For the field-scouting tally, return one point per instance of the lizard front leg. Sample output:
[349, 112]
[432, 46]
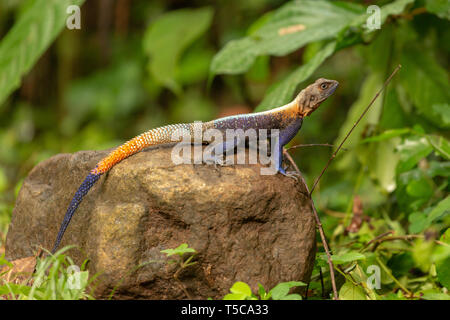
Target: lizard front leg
[220, 152]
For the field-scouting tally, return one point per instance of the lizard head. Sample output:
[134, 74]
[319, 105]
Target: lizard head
[310, 98]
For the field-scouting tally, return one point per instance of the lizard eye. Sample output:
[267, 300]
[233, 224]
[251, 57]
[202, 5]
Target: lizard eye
[323, 86]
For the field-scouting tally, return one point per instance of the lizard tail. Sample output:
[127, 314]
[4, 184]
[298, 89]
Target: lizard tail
[152, 137]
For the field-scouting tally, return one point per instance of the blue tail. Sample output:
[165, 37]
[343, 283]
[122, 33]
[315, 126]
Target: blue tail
[78, 197]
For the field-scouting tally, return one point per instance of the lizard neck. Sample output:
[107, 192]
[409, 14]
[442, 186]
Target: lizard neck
[288, 112]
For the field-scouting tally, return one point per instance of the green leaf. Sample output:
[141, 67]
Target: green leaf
[282, 92]
[421, 221]
[290, 27]
[418, 222]
[400, 264]
[347, 257]
[393, 8]
[440, 210]
[293, 296]
[349, 291]
[412, 151]
[4, 262]
[166, 39]
[182, 249]
[439, 7]
[442, 110]
[439, 169]
[440, 145]
[383, 164]
[443, 272]
[16, 289]
[241, 288]
[262, 292]
[368, 90]
[420, 189]
[433, 294]
[281, 290]
[34, 31]
[425, 82]
[388, 134]
[235, 296]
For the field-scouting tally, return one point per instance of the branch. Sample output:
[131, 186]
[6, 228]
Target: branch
[385, 237]
[310, 145]
[319, 225]
[354, 126]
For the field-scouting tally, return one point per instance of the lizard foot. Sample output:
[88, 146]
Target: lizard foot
[292, 174]
[219, 162]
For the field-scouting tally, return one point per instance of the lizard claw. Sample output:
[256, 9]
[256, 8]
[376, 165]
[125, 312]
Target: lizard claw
[218, 161]
[291, 174]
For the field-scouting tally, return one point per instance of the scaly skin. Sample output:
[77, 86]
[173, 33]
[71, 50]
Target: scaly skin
[288, 119]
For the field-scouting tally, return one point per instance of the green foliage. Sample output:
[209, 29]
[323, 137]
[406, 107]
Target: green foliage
[439, 7]
[242, 291]
[347, 257]
[281, 93]
[180, 250]
[36, 28]
[55, 278]
[310, 20]
[349, 291]
[167, 38]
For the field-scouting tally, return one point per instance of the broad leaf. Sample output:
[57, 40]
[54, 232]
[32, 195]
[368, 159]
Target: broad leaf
[412, 151]
[426, 84]
[27, 40]
[290, 27]
[393, 8]
[439, 7]
[167, 38]
[419, 221]
[347, 257]
[440, 145]
[388, 134]
[282, 92]
[182, 249]
[281, 290]
[351, 292]
[368, 90]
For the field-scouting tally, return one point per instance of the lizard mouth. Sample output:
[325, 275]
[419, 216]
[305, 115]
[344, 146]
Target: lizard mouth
[333, 87]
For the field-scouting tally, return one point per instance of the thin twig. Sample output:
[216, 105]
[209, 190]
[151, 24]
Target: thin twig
[377, 241]
[319, 226]
[389, 273]
[312, 145]
[321, 282]
[377, 238]
[182, 286]
[354, 126]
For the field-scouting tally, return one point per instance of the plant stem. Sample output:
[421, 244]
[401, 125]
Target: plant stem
[354, 126]
[319, 226]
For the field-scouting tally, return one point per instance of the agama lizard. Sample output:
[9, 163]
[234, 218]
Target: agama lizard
[287, 119]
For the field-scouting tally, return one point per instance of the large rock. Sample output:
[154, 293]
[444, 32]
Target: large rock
[245, 226]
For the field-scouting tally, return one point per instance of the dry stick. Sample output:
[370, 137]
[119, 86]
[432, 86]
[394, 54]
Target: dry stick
[319, 225]
[407, 237]
[312, 145]
[354, 126]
